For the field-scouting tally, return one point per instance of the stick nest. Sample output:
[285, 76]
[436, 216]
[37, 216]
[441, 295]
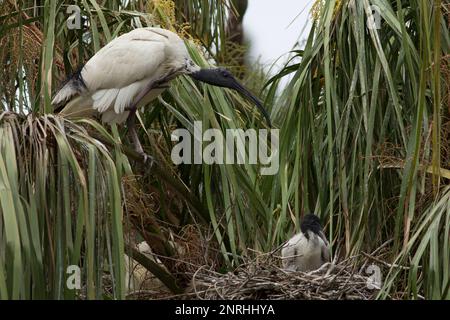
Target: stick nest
[262, 279]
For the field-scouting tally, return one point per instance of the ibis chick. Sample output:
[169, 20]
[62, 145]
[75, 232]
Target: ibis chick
[307, 250]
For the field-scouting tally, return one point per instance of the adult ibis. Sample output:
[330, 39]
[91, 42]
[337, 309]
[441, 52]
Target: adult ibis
[132, 70]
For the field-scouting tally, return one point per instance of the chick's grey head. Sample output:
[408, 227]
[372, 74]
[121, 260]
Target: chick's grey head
[311, 223]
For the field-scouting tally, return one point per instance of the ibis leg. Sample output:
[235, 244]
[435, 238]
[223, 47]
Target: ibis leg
[131, 121]
[131, 124]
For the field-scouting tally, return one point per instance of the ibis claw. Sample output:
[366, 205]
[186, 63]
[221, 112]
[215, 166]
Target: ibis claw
[147, 159]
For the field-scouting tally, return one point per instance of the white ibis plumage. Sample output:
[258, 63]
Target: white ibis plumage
[132, 70]
[307, 250]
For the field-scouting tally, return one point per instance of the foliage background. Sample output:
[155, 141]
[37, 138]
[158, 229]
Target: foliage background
[363, 143]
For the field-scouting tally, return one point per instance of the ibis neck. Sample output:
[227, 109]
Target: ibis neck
[191, 67]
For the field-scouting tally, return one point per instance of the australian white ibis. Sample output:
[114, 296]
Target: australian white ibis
[132, 70]
[307, 250]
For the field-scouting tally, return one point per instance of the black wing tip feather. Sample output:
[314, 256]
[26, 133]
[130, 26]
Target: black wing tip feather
[74, 80]
[59, 108]
[76, 75]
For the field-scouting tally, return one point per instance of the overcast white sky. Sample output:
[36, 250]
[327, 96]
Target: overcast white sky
[270, 28]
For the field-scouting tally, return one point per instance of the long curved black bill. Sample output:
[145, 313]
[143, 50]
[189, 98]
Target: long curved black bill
[223, 78]
[242, 90]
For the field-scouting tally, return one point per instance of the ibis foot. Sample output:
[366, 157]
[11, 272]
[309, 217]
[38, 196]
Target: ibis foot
[147, 159]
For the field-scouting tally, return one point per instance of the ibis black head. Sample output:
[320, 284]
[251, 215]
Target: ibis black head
[223, 78]
[310, 223]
